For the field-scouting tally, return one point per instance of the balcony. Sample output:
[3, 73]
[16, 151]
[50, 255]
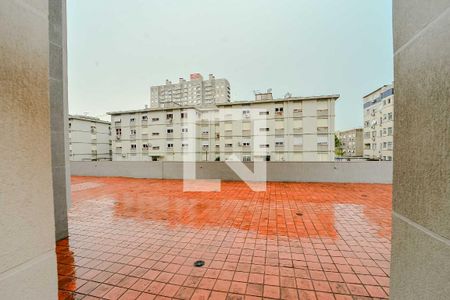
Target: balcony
[322, 129]
[322, 113]
[279, 115]
[297, 114]
[246, 132]
[298, 130]
[298, 147]
[322, 147]
[228, 133]
[279, 131]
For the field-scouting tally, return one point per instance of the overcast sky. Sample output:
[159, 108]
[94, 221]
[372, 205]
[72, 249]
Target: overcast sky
[117, 49]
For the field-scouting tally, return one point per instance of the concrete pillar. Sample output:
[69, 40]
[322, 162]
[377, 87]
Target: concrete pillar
[420, 267]
[59, 114]
[27, 241]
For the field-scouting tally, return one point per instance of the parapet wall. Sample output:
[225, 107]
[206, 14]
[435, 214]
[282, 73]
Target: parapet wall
[356, 172]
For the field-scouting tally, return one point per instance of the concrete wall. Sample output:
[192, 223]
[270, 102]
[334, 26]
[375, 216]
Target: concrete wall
[58, 114]
[27, 241]
[421, 202]
[367, 172]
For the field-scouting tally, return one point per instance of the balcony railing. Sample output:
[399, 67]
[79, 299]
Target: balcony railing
[322, 129]
[228, 132]
[246, 132]
[322, 147]
[322, 113]
[279, 131]
[298, 114]
[298, 130]
[298, 147]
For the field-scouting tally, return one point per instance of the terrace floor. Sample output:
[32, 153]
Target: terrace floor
[139, 239]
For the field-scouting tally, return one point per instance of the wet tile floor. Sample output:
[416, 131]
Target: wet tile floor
[139, 239]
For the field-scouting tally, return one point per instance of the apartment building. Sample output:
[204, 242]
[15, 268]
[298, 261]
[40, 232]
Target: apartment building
[352, 142]
[379, 123]
[89, 139]
[289, 129]
[195, 92]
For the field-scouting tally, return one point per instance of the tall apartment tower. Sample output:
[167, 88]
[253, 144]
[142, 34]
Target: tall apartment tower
[195, 92]
[379, 123]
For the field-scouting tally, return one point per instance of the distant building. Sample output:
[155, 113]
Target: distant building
[295, 129]
[379, 123]
[89, 139]
[351, 142]
[195, 92]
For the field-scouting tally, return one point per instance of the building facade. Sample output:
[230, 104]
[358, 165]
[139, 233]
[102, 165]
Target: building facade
[89, 139]
[290, 129]
[195, 92]
[352, 142]
[379, 124]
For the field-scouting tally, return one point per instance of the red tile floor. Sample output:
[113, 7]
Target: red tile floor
[139, 239]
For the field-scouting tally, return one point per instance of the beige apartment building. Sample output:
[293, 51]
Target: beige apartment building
[288, 129]
[89, 139]
[379, 123]
[194, 92]
[352, 143]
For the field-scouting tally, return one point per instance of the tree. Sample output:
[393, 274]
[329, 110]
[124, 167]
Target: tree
[338, 146]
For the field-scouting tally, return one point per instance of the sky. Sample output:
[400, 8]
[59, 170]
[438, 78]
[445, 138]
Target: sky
[117, 49]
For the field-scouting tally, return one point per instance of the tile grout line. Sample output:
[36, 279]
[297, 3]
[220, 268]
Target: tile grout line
[422, 228]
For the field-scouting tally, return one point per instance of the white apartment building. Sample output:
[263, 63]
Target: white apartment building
[195, 92]
[379, 123]
[89, 139]
[289, 129]
[352, 143]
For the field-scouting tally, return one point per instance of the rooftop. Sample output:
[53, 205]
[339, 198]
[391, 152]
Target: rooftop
[139, 239]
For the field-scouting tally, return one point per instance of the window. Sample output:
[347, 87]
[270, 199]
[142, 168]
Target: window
[228, 145]
[264, 146]
[132, 120]
[133, 132]
[145, 146]
[184, 115]
[389, 131]
[246, 144]
[322, 140]
[155, 147]
[170, 145]
[298, 141]
[133, 146]
[390, 116]
[169, 116]
[155, 133]
[264, 113]
[155, 119]
[264, 129]
[170, 130]
[246, 158]
[144, 118]
[184, 130]
[118, 131]
[279, 111]
[182, 145]
[279, 144]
